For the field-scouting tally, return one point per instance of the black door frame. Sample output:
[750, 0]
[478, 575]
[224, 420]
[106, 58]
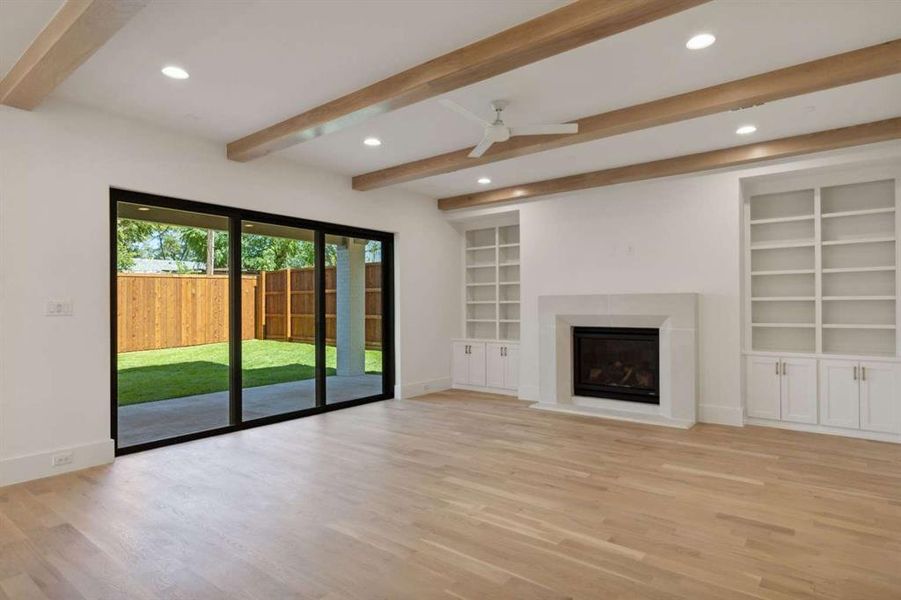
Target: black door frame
[235, 217]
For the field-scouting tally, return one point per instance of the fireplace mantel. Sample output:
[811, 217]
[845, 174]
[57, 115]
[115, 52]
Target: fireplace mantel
[675, 315]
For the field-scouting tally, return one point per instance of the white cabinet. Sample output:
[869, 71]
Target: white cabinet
[849, 394]
[782, 388]
[511, 366]
[502, 365]
[486, 364]
[861, 395]
[494, 358]
[840, 400]
[469, 363]
[799, 390]
[764, 387]
[880, 397]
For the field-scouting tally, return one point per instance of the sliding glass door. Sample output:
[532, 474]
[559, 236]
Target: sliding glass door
[224, 318]
[278, 351]
[172, 323]
[353, 300]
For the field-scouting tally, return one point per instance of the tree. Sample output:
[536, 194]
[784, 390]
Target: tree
[130, 236]
[189, 245]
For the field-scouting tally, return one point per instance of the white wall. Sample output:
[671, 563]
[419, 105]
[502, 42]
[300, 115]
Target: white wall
[56, 167]
[680, 234]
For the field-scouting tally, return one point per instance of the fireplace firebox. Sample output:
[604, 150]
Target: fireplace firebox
[619, 363]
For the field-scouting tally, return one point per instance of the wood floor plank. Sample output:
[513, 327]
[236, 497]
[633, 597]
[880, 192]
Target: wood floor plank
[466, 495]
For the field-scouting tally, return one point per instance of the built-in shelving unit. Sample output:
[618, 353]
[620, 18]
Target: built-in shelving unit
[821, 266]
[492, 283]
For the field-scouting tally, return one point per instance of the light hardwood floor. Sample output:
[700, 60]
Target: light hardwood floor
[463, 495]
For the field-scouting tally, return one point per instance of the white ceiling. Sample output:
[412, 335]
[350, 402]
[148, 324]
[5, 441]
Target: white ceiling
[20, 22]
[253, 63]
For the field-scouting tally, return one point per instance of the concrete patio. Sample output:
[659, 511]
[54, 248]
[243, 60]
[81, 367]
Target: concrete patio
[150, 421]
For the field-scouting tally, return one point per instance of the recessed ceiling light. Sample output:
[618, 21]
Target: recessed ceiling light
[372, 141]
[248, 225]
[174, 72]
[484, 180]
[143, 208]
[700, 41]
[746, 130]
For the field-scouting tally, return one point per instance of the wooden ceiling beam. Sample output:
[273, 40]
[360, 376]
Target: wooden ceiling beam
[77, 30]
[834, 71]
[855, 135]
[574, 25]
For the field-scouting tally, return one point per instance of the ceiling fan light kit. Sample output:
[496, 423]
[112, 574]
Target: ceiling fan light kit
[498, 131]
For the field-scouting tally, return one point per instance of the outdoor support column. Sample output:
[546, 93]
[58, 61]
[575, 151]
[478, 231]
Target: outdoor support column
[351, 308]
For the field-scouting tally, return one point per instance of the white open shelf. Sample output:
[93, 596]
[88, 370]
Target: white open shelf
[870, 298]
[856, 326]
[875, 239]
[783, 220]
[492, 276]
[802, 243]
[822, 269]
[784, 272]
[857, 213]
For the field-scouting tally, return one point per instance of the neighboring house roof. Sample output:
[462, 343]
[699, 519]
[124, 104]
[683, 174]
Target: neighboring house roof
[159, 265]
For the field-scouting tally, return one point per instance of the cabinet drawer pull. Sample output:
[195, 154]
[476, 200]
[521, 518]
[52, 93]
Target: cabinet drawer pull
[863, 373]
[784, 369]
[855, 373]
[777, 368]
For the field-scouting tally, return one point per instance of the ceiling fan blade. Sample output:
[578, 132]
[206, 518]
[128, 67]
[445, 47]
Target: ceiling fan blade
[545, 129]
[465, 112]
[481, 148]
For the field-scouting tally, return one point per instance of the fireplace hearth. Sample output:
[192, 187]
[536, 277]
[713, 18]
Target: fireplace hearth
[618, 363]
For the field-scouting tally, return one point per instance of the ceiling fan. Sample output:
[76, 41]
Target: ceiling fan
[497, 131]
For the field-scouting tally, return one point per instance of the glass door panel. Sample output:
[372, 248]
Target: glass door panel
[172, 323]
[354, 316]
[278, 319]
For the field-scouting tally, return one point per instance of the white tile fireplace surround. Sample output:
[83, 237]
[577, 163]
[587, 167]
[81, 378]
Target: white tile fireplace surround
[675, 315]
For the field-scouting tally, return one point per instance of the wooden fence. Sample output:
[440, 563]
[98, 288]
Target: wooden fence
[295, 287]
[168, 311]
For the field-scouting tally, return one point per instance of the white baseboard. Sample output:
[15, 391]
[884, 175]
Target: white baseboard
[411, 390]
[18, 469]
[486, 390]
[810, 428]
[529, 392]
[721, 415]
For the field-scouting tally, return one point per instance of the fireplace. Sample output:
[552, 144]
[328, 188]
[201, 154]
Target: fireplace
[618, 363]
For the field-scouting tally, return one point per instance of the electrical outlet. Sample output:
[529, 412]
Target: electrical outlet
[59, 308]
[62, 459]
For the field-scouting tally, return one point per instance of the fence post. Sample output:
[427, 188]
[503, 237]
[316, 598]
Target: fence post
[260, 328]
[288, 305]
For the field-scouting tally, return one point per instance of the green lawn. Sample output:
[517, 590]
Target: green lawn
[175, 372]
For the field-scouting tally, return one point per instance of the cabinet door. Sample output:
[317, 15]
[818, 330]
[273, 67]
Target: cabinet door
[477, 364]
[840, 395]
[494, 363]
[460, 367]
[511, 367]
[880, 397]
[763, 387]
[799, 390]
